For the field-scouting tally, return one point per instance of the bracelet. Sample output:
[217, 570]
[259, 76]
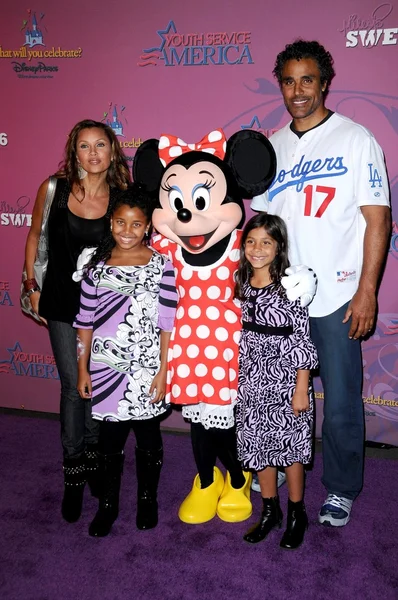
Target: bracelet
[32, 291]
[30, 283]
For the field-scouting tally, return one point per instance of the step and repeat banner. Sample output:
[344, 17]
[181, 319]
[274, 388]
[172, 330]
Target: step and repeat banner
[186, 69]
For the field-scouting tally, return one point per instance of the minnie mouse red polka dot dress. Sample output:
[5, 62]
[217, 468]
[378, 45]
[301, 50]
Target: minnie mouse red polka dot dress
[203, 351]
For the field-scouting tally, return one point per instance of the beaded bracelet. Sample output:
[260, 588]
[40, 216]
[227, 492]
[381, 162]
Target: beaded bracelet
[30, 283]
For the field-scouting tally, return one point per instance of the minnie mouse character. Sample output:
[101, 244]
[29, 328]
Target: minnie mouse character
[200, 188]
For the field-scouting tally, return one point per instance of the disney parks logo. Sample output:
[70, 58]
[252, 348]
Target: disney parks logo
[198, 49]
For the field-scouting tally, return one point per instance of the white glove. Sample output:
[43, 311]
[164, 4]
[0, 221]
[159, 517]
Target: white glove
[300, 283]
[83, 259]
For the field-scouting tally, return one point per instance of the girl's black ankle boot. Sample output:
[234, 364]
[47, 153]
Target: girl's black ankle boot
[271, 517]
[297, 523]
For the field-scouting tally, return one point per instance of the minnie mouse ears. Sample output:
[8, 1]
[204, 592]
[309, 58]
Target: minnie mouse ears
[147, 168]
[248, 153]
[252, 160]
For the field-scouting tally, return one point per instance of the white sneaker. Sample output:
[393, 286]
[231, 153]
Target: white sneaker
[335, 511]
[281, 478]
[256, 485]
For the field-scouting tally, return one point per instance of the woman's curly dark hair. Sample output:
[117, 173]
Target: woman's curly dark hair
[118, 174]
[275, 228]
[303, 49]
[135, 196]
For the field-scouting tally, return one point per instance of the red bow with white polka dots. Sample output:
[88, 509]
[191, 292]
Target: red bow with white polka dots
[171, 146]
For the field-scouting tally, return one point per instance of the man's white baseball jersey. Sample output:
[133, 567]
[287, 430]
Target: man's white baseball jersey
[322, 180]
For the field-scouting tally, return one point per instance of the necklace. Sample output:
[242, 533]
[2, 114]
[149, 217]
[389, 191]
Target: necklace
[78, 199]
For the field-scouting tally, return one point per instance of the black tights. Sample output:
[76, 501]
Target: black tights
[113, 435]
[207, 445]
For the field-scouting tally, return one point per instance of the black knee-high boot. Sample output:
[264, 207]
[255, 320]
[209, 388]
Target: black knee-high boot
[148, 464]
[111, 468]
[92, 469]
[297, 523]
[74, 482]
[271, 517]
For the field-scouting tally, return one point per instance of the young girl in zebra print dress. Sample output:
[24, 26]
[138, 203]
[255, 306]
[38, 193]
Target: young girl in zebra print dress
[274, 414]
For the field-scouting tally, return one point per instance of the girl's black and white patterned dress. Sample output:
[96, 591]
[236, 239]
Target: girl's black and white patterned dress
[268, 432]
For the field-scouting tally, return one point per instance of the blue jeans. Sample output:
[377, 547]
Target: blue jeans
[77, 426]
[343, 430]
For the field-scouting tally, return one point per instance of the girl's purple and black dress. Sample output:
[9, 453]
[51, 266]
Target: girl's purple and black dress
[127, 307]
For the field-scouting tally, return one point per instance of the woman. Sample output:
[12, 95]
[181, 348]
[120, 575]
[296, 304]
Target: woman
[94, 169]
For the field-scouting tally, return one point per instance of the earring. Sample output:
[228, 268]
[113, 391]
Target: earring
[111, 225]
[81, 172]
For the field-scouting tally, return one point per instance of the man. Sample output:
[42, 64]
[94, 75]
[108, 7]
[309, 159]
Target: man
[331, 189]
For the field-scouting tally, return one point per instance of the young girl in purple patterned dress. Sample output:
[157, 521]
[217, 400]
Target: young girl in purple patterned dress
[274, 415]
[127, 310]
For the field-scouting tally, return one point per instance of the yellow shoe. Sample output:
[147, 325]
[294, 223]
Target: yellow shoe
[234, 504]
[201, 505]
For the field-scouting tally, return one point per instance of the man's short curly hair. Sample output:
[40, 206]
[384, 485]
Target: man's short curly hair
[303, 49]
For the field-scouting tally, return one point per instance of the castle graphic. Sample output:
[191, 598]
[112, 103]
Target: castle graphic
[116, 125]
[33, 36]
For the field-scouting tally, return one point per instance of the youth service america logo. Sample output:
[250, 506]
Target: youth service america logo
[198, 49]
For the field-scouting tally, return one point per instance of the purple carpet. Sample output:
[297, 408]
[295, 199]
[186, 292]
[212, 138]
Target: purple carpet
[44, 558]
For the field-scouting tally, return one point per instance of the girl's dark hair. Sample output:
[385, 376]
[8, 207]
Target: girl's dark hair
[304, 49]
[118, 174]
[275, 228]
[134, 196]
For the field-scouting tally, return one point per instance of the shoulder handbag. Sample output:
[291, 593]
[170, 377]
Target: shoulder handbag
[40, 266]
